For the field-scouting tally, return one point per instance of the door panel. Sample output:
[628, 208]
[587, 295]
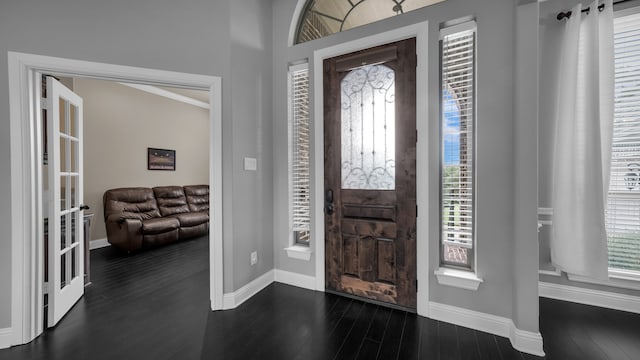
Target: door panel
[65, 226]
[370, 156]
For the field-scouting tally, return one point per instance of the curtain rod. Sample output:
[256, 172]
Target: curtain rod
[567, 14]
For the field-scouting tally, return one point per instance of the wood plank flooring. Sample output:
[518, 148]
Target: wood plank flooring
[154, 305]
[575, 331]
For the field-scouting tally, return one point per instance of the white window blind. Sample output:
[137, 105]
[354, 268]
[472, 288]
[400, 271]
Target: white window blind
[623, 205]
[457, 57]
[299, 153]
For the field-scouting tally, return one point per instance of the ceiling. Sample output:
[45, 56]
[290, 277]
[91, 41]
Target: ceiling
[199, 95]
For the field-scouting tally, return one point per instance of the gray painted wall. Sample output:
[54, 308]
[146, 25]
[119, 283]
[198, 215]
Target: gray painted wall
[525, 158]
[194, 36]
[245, 42]
[251, 123]
[495, 152]
[550, 37]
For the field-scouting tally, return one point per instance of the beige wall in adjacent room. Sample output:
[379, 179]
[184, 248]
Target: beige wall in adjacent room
[120, 123]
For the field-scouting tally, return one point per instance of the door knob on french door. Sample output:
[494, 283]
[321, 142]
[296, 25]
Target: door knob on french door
[84, 207]
[328, 202]
[328, 209]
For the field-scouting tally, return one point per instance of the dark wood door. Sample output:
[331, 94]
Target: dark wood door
[370, 166]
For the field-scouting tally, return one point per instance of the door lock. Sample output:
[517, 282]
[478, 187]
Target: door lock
[328, 202]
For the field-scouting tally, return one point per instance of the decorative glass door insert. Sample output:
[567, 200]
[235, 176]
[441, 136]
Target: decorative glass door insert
[368, 128]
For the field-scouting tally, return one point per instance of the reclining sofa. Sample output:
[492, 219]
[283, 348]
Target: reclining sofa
[138, 217]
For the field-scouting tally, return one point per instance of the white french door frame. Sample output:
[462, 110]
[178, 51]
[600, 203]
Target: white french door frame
[420, 31]
[26, 175]
[65, 166]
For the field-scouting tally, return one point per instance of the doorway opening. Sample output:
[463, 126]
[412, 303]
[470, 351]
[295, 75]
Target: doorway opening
[26, 182]
[370, 173]
[424, 166]
[118, 122]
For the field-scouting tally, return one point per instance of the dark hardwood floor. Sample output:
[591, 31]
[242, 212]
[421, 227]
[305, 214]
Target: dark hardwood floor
[154, 305]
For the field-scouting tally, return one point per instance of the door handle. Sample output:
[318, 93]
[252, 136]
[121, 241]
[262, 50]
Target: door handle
[328, 209]
[328, 202]
[84, 207]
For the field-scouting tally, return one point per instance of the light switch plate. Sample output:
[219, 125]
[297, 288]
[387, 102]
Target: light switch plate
[250, 164]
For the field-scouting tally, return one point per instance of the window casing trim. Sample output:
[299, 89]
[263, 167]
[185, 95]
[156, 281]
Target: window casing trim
[621, 228]
[453, 29]
[624, 12]
[295, 249]
[617, 278]
[467, 26]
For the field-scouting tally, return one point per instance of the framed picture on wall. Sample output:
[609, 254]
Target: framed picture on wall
[161, 159]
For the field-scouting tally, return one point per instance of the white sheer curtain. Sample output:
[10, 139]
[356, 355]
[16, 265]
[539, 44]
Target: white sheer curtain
[584, 125]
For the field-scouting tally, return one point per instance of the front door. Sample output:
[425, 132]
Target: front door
[370, 173]
[65, 253]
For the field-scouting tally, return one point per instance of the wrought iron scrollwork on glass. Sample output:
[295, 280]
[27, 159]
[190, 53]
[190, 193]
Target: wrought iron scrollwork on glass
[368, 128]
[321, 18]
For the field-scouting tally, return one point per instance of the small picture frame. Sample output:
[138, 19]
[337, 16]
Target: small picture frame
[161, 159]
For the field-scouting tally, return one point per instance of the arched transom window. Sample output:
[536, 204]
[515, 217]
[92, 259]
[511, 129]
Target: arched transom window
[325, 17]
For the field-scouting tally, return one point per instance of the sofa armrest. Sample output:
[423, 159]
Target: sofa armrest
[113, 218]
[124, 233]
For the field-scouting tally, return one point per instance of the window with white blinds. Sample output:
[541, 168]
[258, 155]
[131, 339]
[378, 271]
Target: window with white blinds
[623, 204]
[457, 138]
[299, 151]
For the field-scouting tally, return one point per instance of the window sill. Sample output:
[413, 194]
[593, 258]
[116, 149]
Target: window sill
[458, 278]
[299, 252]
[617, 278]
[556, 273]
[549, 269]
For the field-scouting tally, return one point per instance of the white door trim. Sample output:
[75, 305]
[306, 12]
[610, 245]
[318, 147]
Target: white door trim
[26, 272]
[420, 32]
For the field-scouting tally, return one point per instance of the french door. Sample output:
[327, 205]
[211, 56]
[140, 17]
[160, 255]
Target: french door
[370, 171]
[65, 252]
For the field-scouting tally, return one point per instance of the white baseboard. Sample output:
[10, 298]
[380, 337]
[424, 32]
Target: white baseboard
[5, 338]
[599, 298]
[295, 279]
[98, 243]
[236, 298]
[525, 341]
[468, 318]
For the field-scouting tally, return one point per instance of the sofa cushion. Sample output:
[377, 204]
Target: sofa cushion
[171, 200]
[197, 197]
[192, 218]
[187, 232]
[131, 203]
[149, 241]
[159, 225]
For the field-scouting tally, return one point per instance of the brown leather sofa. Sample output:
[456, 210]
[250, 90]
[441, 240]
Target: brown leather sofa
[139, 217]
